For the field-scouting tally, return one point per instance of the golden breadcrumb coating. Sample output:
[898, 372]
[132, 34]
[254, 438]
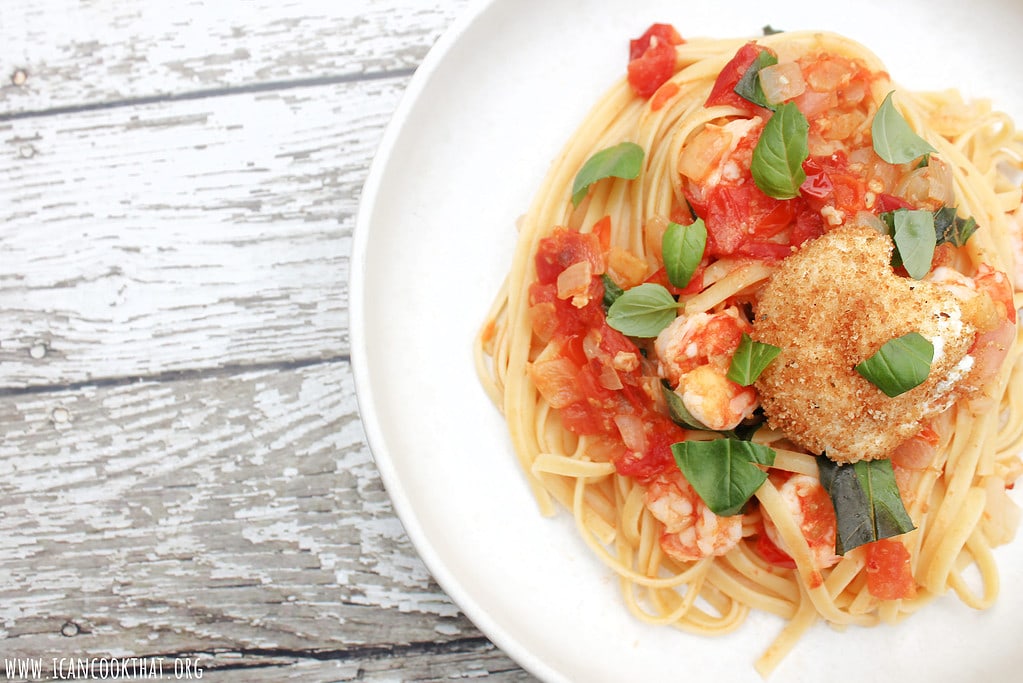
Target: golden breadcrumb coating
[833, 304]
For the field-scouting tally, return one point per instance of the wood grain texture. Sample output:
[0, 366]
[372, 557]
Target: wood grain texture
[193, 234]
[235, 518]
[74, 54]
[184, 471]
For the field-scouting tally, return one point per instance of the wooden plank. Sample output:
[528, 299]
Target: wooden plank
[69, 52]
[237, 518]
[203, 233]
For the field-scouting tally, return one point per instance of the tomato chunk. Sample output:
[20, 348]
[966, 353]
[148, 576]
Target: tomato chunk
[723, 92]
[889, 575]
[652, 59]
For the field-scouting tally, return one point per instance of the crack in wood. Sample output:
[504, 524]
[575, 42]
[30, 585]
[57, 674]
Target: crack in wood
[222, 371]
[261, 657]
[249, 88]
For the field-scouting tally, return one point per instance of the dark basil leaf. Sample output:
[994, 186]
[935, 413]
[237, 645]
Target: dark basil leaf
[611, 291]
[777, 164]
[750, 359]
[866, 500]
[894, 140]
[678, 412]
[770, 30]
[624, 160]
[899, 365]
[682, 250]
[949, 228]
[749, 87]
[642, 311]
[723, 472]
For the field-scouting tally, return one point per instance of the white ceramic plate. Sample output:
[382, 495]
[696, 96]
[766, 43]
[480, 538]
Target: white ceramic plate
[482, 119]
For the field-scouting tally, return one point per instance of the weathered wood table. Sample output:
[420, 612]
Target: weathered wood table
[183, 475]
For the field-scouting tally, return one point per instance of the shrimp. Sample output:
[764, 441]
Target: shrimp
[694, 354]
[691, 530]
[988, 297]
[812, 509]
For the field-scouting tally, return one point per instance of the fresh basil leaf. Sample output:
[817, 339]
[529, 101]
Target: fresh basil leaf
[899, 365]
[749, 87]
[611, 291]
[643, 310]
[678, 412]
[723, 472]
[866, 501]
[682, 250]
[624, 160]
[778, 158]
[770, 30]
[914, 234]
[894, 140]
[750, 359]
[949, 228]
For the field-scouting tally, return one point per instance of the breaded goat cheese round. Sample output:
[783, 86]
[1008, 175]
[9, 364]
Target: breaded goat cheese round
[833, 304]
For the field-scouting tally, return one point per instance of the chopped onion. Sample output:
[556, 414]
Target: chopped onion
[782, 82]
[928, 185]
[632, 431]
[870, 220]
[557, 381]
[574, 281]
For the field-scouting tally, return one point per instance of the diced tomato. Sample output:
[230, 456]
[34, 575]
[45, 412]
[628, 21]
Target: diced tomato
[602, 229]
[652, 58]
[829, 182]
[818, 183]
[771, 553]
[723, 92]
[562, 249]
[663, 96]
[888, 202]
[737, 214]
[662, 32]
[808, 225]
[658, 457]
[818, 513]
[889, 574]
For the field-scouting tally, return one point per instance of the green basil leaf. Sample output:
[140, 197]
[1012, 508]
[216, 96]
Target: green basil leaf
[723, 472]
[750, 359]
[769, 30]
[749, 87]
[682, 250]
[866, 501]
[778, 158]
[949, 228]
[914, 234]
[678, 412]
[894, 140]
[899, 365]
[642, 311]
[611, 291]
[624, 160]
